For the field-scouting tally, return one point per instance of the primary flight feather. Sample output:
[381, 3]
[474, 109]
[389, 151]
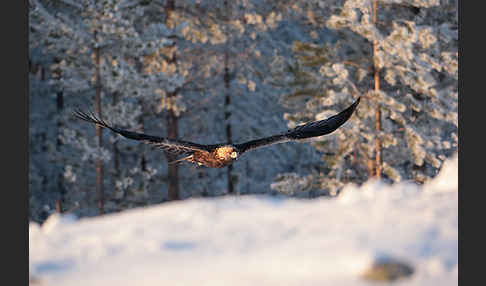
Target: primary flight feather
[221, 155]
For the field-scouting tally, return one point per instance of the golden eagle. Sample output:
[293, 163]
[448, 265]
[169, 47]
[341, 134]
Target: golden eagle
[221, 155]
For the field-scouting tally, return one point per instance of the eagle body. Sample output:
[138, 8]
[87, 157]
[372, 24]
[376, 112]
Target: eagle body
[218, 158]
[221, 155]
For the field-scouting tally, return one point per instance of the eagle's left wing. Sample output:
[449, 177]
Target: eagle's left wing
[172, 146]
[308, 130]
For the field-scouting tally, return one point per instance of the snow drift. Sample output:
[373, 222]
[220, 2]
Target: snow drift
[260, 240]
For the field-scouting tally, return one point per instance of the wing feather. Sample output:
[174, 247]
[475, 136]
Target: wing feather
[170, 145]
[311, 129]
[253, 144]
[323, 127]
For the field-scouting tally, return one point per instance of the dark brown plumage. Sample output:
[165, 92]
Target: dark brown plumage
[221, 155]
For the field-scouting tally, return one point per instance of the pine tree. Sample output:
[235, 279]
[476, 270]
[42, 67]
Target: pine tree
[213, 39]
[404, 65]
[100, 51]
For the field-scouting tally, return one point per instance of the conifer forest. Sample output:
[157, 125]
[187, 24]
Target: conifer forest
[232, 71]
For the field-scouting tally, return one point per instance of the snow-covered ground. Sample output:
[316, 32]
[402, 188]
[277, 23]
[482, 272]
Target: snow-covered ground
[259, 240]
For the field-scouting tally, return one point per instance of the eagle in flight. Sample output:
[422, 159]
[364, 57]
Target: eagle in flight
[221, 155]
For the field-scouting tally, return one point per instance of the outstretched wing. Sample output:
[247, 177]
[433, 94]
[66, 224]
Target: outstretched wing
[311, 129]
[170, 145]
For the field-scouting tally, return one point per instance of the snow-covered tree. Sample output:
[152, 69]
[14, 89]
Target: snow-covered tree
[99, 53]
[403, 64]
[224, 43]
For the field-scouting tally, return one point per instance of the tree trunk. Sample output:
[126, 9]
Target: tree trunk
[99, 162]
[378, 159]
[227, 102]
[116, 151]
[42, 73]
[60, 182]
[172, 125]
[248, 175]
[43, 137]
[227, 116]
[173, 189]
[143, 160]
[60, 107]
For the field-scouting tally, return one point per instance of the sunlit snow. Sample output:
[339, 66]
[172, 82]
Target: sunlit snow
[259, 240]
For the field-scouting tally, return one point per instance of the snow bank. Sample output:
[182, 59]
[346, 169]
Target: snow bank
[259, 240]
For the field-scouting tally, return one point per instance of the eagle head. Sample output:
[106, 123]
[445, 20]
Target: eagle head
[227, 153]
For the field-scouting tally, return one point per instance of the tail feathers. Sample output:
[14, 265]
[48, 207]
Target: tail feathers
[188, 158]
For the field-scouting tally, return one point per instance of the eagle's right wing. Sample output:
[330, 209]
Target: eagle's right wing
[308, 130]
[175, 147]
